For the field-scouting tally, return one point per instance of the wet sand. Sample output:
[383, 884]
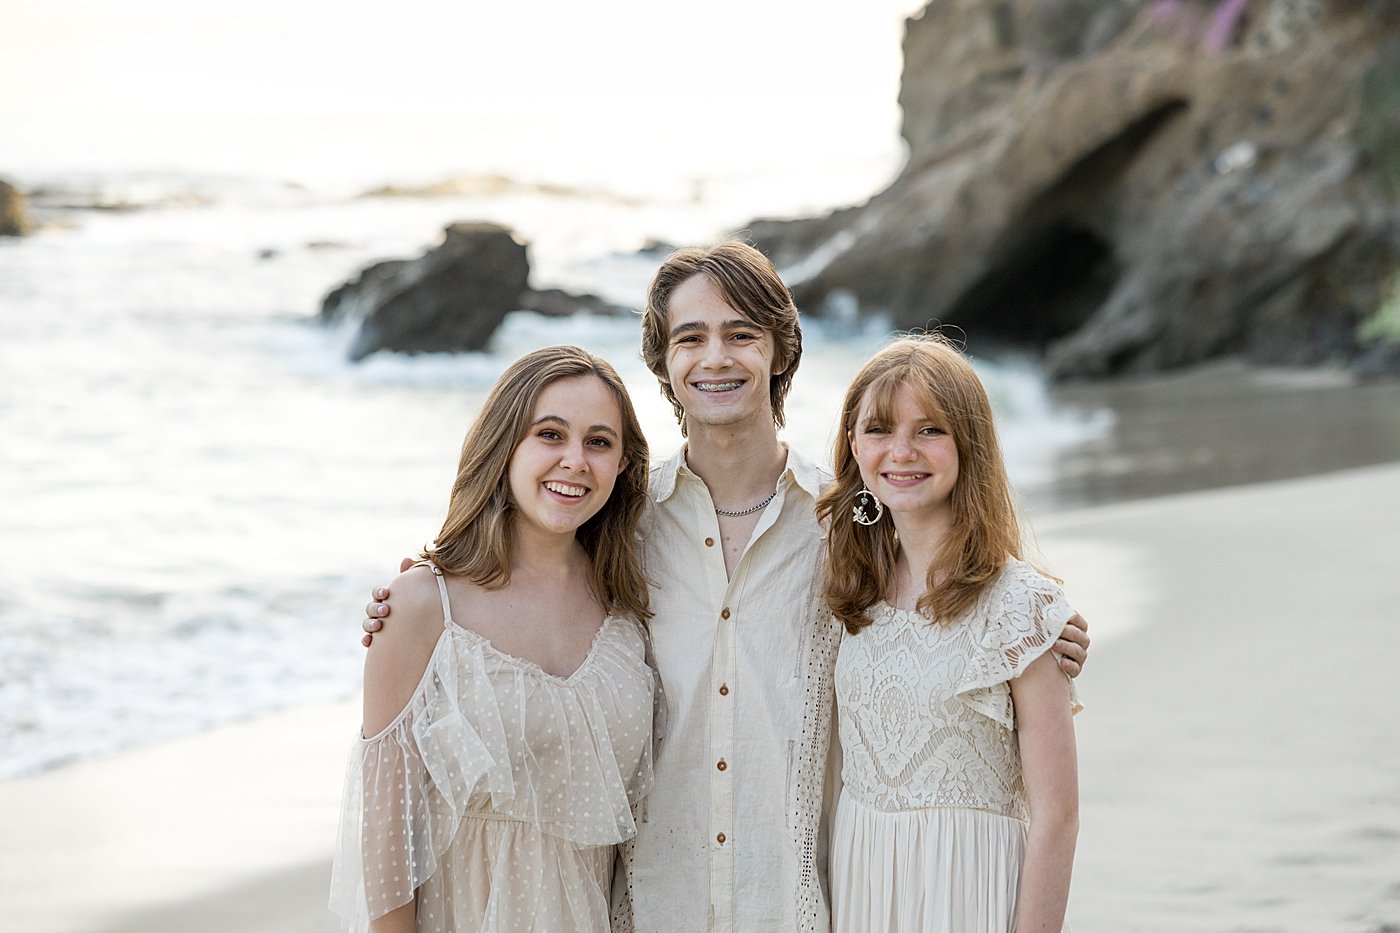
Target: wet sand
[228, 830]
[1221, 425]
[1240, 753]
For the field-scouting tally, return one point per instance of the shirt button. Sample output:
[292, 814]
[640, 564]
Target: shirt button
[709, 542]
[720, 838]
[725, 613]
[721, 765]
[724, 690]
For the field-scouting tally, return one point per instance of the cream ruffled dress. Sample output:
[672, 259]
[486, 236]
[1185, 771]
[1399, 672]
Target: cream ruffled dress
[499, 792]
[930, 828]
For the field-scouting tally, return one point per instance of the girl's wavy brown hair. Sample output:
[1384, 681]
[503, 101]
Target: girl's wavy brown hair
[985, 531]
[478, 536]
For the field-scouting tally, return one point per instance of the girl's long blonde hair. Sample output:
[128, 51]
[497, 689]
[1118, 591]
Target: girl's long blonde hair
[478, 535]
[985, 532]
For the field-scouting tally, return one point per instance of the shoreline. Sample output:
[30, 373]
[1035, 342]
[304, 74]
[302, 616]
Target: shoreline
[1236, 753]
[162, 837]
[1222, 424]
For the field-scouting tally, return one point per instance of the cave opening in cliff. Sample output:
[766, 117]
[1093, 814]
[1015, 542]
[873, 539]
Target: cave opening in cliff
[1052, 270]
[1044, 288]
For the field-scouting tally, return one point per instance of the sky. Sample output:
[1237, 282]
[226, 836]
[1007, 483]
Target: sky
[708, 87]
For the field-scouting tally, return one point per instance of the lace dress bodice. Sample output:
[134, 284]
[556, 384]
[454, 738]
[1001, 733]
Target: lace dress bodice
[926, 718]
[930, 829]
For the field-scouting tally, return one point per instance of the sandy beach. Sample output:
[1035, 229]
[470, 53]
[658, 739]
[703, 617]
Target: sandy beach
[1240, 769]
[1240, 757]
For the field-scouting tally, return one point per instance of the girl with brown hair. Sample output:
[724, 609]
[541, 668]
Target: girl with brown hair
[954, 716]
[508, 712]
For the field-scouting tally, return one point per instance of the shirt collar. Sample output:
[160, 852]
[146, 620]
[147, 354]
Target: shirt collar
[809, 475]
[806, 473]
[663, 475]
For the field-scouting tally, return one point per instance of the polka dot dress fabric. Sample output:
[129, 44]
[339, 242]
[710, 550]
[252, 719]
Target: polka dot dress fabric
[497, 795]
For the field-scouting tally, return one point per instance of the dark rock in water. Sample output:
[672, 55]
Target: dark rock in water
[1150, 186]
[450, 299]
[359, 297]
[14, 220]
[555, 302]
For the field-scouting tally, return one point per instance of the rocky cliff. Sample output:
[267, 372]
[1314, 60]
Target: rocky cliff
[1131, 185]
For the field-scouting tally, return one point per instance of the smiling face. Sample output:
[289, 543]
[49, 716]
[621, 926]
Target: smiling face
[563, 470]
[745, 281]
[907, 456]
[718, 362]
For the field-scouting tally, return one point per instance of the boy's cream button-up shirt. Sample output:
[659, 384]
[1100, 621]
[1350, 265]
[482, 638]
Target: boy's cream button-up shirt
[729, 839]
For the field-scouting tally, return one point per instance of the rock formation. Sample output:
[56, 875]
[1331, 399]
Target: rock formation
[555, 302]
[1130, 186]
[452, 298]
[14, 221]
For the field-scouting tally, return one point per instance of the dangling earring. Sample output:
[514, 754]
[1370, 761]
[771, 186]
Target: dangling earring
[865, 504]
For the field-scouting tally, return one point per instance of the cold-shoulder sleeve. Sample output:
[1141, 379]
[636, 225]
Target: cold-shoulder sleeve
[407, 788]
[1020, 617]
[491, 737]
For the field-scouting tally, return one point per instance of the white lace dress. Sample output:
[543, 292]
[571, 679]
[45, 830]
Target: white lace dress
[930, 827]
[499, 792]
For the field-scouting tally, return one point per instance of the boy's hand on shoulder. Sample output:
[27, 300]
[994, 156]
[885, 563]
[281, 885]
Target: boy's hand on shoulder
[377, 609]
[1073, 646]
[395, 662]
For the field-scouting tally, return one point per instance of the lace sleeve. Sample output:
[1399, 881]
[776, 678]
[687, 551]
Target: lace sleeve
[407, 788]
[1021, 617]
